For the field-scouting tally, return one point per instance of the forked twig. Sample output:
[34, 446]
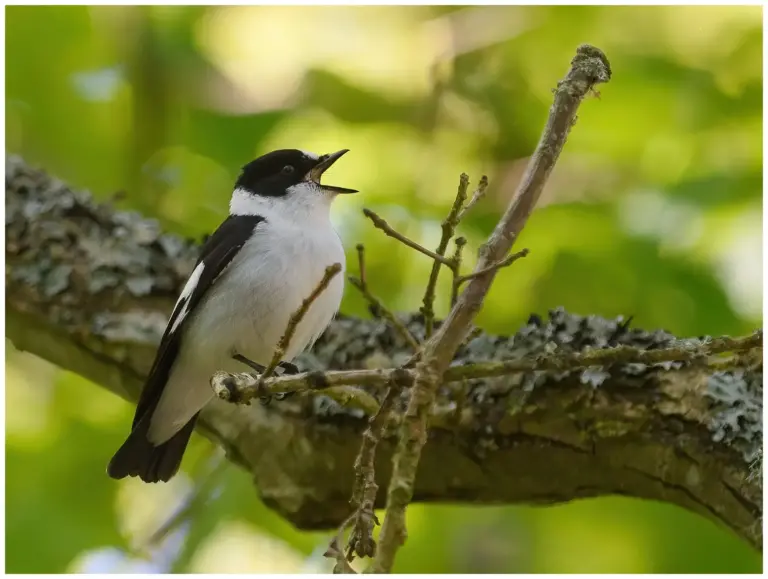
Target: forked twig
[460, 243]
[448, 229]
[479, 193]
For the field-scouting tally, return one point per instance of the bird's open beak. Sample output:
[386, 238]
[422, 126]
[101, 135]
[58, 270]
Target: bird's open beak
[322, 166]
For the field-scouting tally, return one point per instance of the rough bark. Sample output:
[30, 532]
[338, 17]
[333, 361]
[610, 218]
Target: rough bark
[89, 288]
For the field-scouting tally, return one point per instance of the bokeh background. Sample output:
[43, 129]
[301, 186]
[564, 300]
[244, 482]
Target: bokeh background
[654, 210]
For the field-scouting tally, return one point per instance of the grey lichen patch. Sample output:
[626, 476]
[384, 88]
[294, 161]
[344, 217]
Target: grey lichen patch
[57, 280]
[172, 245]
[140, 230]
[737, 405]
[344, 345]
[351, 343]
[130, 327]
[101, 279]
[561, 332]
[31, 273]
[140, 285]
[63, 248]
[116, 253]
[756, 469]
[594, 375]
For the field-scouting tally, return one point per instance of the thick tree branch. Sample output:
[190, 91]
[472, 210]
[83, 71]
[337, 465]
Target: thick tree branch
[89, 289]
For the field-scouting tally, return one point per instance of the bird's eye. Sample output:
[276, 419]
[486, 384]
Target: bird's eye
[288, 169]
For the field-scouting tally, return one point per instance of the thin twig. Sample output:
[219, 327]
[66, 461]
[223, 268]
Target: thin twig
[507, 261]
[385, 312]
[479, 193]
[242, 387]
[374, 305]
[361, 263]
[471, 335]
[588, 68]
[361, 542]
[460, 243]
[380, 223]
[246, 385]
[330, 272]
[352, 397]
[336, 551]
[448, 227]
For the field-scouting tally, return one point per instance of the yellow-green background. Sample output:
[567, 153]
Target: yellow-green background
[654, 211]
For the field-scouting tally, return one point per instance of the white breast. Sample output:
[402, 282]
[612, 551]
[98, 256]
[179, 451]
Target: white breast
[249, 307]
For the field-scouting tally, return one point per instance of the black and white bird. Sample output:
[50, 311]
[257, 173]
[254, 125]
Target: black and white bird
[252, 274]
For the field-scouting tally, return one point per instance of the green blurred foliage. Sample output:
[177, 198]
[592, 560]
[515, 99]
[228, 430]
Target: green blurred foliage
[654, 211]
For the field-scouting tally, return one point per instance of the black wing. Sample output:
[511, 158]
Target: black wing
[217, 252]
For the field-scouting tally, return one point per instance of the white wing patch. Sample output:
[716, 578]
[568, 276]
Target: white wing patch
[189, 288]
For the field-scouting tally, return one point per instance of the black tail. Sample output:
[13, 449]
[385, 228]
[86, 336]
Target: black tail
[139, 457]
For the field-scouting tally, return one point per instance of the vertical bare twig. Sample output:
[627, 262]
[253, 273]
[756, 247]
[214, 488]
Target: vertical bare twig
[588, 68]
[361, 541]
[479, 193]
[361, 263]
[449, 227]
[460, 243]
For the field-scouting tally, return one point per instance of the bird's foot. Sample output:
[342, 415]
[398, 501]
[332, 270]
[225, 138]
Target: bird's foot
[250, 363]
[286, 367]
[289, 368]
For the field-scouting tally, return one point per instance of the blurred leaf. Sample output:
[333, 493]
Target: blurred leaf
[54, 510]
[230, 140]
[350, 103]
[720, 189]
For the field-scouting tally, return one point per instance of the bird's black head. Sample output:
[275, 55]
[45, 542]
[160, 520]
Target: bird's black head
[280, 172]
